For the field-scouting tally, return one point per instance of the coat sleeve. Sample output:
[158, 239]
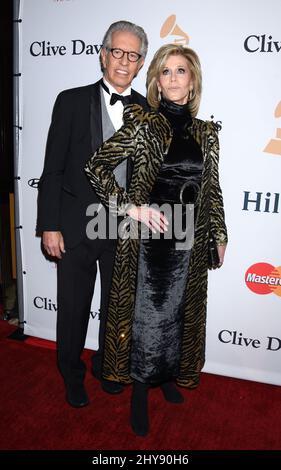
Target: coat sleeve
[217, 217]
[49, 196]
[118, 148]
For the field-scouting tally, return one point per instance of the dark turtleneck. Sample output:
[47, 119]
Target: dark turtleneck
[184, 150]
[177, 114]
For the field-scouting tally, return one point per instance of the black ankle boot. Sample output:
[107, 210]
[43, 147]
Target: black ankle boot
[171, 393]
[139, 409]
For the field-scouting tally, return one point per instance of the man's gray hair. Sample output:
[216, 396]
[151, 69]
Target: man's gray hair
[130, 28]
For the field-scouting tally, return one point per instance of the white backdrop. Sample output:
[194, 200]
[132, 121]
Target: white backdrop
[239, 44]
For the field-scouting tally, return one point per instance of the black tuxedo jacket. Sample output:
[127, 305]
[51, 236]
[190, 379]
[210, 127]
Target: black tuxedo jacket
[74, 135]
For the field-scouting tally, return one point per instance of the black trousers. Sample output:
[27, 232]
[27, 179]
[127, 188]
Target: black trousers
[76, 282]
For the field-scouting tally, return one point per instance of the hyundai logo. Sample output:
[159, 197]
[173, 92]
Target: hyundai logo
[33, 182]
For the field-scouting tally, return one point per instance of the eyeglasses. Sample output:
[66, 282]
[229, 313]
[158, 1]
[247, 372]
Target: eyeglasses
[119, 53]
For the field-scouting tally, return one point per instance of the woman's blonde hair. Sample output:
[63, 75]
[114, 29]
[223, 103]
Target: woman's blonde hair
[157, 65]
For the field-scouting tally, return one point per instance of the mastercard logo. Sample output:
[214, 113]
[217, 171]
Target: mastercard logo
[263, 278]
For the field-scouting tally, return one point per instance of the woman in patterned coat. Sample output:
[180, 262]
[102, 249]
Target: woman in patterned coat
[157, 312]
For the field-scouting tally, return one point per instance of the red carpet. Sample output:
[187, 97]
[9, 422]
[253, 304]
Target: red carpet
[223, 413]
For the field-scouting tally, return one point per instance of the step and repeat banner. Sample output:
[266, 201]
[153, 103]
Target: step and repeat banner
[239, 44]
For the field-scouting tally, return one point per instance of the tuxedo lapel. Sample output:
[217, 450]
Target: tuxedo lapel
[137, 98]
[95, 117]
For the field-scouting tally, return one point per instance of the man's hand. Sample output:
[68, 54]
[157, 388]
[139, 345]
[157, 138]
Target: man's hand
[53, 243]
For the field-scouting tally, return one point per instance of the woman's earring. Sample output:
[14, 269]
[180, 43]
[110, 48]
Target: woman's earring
[159, 95]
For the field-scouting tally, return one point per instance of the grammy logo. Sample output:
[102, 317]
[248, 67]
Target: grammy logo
[274, 145]
[170, 28]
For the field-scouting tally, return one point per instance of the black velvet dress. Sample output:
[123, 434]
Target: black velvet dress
[163, 263]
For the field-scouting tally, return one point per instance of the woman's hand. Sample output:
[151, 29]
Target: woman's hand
[152, 218]
[221, 252]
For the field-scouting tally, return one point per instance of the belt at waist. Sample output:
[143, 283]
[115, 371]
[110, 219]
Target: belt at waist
[176, 190]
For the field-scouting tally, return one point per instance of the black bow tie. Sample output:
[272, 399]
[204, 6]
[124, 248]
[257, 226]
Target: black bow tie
[115, 97]
[124, 99]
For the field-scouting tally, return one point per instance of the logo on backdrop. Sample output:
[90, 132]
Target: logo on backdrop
[274, 145]
[218, 124]
[47, 304]
[264, 278]
[261, 202]
[271, 343]
[171, 28]
[262, 43]
[33, 183]
[76, 47]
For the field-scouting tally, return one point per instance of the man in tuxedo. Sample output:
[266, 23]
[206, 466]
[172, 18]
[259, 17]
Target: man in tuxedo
[82, 119]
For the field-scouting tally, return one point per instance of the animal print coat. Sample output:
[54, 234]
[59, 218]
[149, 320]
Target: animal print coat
[145, 137]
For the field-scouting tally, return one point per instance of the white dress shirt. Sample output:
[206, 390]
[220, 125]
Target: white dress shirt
[115, 111]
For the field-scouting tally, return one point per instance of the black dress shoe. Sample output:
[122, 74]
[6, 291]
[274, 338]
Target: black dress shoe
[107, 385]
[111, 387]
[76, 395]
[171, 393]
